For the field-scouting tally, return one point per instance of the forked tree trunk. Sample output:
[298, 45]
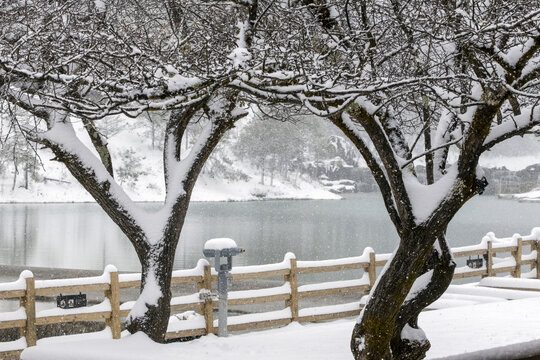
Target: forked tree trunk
[151, 311]
[157, 266]
[411, 343]
[379, 326]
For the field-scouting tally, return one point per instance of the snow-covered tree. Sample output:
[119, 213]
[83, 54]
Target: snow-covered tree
[82, 61]
[406, 82]
[410, 82]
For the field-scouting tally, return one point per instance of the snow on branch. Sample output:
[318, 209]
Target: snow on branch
[91, 173]
[425, 199]
[529, 118]
[443, 146]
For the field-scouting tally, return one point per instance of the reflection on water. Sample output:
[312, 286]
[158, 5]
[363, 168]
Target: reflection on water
[81, 236]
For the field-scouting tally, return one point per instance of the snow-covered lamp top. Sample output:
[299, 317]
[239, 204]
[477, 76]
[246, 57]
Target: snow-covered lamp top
[220, 244]
[222, 247]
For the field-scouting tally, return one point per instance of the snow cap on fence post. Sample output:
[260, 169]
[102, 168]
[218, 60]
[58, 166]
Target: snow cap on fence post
[108, 270]
[200, 266]
[368, 250]
[490, 236]
[535, 233]
[288, 256]
[26, 274]
[515, 239]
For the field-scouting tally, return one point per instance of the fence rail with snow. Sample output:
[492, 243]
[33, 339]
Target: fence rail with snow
[26, 289]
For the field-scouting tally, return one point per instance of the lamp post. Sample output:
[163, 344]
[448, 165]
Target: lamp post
[222, 248]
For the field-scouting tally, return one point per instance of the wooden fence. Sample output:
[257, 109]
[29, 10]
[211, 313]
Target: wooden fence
[26, 289]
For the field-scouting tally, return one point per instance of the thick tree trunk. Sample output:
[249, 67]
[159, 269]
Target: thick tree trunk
[409, 341]
[151, 312]
[373, 334]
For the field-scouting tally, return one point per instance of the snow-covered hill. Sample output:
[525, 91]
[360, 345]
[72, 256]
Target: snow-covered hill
[139, 170]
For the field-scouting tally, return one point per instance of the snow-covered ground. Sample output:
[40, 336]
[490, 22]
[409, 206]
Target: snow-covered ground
[500, 330]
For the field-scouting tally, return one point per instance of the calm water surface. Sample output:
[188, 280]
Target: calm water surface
[81, 236]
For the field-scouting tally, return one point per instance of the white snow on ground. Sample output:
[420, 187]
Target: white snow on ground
[503, 330]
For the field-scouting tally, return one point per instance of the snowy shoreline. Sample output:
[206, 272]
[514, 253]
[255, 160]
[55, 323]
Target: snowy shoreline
[529, 197]
[158, 202]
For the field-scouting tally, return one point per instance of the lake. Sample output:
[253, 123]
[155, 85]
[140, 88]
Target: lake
[81, 236]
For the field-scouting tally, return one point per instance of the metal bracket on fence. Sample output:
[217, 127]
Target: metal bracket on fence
[71, 301]
[222, 248]
[475, 263]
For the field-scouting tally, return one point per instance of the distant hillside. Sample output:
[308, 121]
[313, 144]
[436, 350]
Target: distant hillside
[138, 167]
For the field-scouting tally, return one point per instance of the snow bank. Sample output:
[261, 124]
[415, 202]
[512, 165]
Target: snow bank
[511, 283]
[529, 196]
[475, 289]
[487, 331]
[103, 334]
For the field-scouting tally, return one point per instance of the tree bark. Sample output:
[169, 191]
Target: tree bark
[440, 271]
[378, 326]
[157, 265]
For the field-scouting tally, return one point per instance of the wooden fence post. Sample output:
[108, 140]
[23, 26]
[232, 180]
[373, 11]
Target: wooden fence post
[489, 259]
[372, 270]
[538, 259]
[517, 255]
[29, 304]
[208, 307]
[292, 278]
[113, 294]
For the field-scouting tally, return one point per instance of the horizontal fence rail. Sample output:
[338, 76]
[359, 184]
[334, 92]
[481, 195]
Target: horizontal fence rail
[26, 289]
